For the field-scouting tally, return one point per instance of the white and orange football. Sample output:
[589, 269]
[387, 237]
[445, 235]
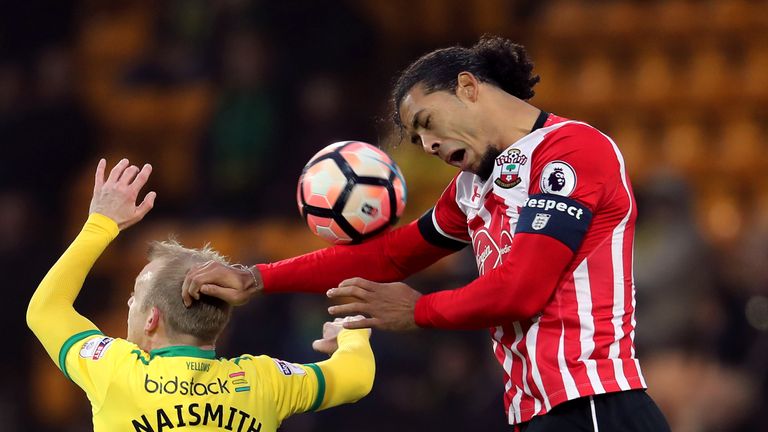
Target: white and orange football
[350, 191]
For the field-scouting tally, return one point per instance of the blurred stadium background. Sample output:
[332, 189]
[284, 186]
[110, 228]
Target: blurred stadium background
[229, 98]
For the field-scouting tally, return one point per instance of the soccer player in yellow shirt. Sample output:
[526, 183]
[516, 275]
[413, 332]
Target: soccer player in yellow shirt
[165, 374]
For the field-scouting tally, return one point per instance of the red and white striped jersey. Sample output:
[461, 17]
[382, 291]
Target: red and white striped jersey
[581, 343]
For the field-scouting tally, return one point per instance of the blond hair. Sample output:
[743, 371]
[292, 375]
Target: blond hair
[205, 318]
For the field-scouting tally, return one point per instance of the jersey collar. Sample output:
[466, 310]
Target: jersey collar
[182, 351]
[540, 120]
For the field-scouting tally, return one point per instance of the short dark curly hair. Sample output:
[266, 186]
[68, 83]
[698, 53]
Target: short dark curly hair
[493, 59]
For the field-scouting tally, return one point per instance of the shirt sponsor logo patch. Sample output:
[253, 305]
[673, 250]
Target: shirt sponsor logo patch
[288, 369]
[95, 348]
[185, 386]
[238, 379]
[540, 221]
[551, 204]
[558, 178]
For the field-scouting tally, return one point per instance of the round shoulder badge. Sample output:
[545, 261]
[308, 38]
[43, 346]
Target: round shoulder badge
[558, 178]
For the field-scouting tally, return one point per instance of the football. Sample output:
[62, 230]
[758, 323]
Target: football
[350, 191]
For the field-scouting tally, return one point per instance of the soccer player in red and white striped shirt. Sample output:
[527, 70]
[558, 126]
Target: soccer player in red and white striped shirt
[547, 206]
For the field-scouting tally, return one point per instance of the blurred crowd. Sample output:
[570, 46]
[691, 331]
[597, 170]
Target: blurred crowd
[229, 98]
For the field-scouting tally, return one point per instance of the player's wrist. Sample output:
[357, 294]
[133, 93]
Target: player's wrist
[421, 311]
[102, 223]
[251, 277]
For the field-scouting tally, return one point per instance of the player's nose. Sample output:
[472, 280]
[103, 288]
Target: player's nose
[430, 144]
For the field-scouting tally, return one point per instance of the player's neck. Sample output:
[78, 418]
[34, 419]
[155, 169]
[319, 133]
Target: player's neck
[158, 341]
[514, 118]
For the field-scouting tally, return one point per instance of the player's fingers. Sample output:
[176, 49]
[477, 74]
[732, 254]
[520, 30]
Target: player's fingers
[359, 282]
[193, 288]
[185, 297]
[198, 269]
[229, 295]
[325, 346]
[348, 291]
[190, 288]
[329, 325]
[209, 273]
[146, 205]
[141, 178]
[361, 324]
[348, 309]
[99, 177]
[117, 170]
[218, 274]
[128, 175]
[331, 329]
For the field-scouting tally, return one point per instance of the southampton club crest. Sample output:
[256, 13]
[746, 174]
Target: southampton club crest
[510, 168]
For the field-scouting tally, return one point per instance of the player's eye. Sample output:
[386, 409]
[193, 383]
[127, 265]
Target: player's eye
[415, 139]
[426, 124]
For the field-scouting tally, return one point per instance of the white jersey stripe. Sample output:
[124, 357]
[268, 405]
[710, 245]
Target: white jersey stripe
[640, 373]
[633, 323]
[568, 382]
[619, 288]
[530, 343]
[507, 364]
[535, 359]
[443, 233]
[513, 415]
[587, 331]
[513, 347]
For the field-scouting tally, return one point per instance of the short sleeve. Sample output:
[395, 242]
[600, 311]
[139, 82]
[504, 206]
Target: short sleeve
[445, 225]
[574, 170]
[578, 162]
[91, 359]
[296, 388]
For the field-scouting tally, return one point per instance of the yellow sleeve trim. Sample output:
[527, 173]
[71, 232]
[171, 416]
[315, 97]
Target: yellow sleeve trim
[320, 386]
[68, 345]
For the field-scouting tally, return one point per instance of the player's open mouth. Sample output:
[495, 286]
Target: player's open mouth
[456, 158]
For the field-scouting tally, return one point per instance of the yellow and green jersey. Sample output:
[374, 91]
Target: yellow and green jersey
[185, 386]
[180, 387]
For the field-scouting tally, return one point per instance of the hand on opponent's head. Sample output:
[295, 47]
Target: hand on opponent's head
[115, 197]
[235, 284]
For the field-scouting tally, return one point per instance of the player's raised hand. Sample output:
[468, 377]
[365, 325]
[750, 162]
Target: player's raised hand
[115, 196]
[329, 343]
[389, 306]
[233, 284]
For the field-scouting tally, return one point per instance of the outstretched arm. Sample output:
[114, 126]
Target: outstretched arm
[389, 257]
[51, 315]
[350, 371]
[344, 378]
[515, 290]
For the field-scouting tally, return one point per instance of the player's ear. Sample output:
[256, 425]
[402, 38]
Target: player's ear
[153, 320]
[467, 87]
